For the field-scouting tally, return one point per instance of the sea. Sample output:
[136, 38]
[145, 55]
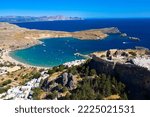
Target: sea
[56, 51]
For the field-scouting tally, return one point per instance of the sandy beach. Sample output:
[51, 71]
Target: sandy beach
[6, 57]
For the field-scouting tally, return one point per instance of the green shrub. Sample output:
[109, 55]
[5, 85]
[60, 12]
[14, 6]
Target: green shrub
[64, 89]
[6, 82]
[3, 90]
[97, 88]
[92, 72]
[36, 75]
[36, 93]
[51, 71]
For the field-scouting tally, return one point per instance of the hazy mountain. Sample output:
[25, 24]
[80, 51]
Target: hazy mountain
[16, 19]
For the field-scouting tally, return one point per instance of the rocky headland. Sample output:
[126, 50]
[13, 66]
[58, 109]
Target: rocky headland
[14, 37]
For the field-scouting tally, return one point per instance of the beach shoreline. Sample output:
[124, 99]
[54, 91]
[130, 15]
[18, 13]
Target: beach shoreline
[6, 57]
[17, 38]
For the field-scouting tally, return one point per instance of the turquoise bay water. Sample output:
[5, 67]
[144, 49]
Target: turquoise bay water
[56, 51]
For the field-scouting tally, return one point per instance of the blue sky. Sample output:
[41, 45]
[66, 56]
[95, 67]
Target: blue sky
[82, 8]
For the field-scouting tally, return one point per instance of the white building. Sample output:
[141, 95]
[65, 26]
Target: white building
[23, 92]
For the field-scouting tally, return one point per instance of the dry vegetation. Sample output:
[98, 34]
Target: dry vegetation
[12, 36]
[18, 77]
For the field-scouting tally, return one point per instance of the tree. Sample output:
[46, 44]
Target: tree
[82, 69]
[73, 70]
[124, 96]
[55, 69]
[37, 93]
[107, 87]
[36, 75]
[87, 71]
[51, 71]
[114, 86]
[50, 96]
[64, 89]
[97, 88]
[55, 93]
[99, 97]
[67, 96]
[92, 72]
[59, 87]
[3, 90]
[6, 82]
[61, 67]
[121, 87]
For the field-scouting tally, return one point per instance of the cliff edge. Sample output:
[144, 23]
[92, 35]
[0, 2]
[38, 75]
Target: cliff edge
[121, 64]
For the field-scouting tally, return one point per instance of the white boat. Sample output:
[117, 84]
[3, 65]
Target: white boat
[125, 42]
[44, 45]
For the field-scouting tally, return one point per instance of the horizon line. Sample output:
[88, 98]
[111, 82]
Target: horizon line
[78, 16]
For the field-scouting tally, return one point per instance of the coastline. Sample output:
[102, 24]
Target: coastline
[18, 38]
[6, 57]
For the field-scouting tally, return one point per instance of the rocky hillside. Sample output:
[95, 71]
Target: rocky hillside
[12, 36]
[136, 78]
[95, 33]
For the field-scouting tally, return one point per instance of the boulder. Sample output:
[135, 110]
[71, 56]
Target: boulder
[64, 79]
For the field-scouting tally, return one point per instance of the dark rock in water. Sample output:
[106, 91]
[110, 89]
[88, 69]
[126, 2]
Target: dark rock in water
[134, 38]
[123, 35]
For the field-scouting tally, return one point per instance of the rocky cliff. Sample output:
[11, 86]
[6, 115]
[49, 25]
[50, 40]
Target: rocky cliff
[137, 79]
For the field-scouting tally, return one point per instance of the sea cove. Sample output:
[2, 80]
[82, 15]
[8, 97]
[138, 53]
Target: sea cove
[61, 49]
[75, 50]
[56, 51]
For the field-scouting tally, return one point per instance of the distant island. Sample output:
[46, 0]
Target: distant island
[19, 19]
